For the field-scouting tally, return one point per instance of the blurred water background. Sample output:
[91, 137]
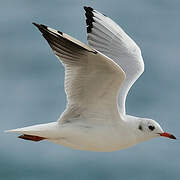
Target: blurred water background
[32, 89]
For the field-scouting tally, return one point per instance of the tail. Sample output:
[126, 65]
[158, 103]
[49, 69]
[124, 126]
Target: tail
[38, 132]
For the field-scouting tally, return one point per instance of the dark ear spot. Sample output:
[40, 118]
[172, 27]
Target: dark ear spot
[151, 127]
[140, 127]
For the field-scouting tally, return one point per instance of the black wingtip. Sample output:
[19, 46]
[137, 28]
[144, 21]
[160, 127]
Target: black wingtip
[88, 8]
[37, 25]
[89, 18]
[41, 27]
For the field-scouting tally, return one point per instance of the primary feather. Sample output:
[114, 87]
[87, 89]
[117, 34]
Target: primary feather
[109, 38]
[92, 80]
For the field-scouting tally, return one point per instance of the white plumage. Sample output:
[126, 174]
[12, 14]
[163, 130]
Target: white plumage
[95, 76]
[109, 38]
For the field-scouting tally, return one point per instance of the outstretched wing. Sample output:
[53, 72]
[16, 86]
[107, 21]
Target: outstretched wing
[107, 37]
[92, 80]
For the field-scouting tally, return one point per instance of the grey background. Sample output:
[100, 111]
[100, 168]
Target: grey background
[32, 89]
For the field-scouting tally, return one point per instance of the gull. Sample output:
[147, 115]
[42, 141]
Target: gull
[98, 77]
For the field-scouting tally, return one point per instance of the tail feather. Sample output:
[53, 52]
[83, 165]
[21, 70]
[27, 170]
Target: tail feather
[38, 132]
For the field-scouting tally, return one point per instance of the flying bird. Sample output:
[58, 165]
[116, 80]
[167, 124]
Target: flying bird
[98, 77]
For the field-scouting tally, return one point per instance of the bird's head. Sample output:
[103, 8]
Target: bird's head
[148, 128]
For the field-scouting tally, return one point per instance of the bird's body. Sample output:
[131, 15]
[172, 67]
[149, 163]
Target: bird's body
[84, 134]
[97, 80]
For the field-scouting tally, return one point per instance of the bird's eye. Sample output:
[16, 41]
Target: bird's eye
[151, 127]
[140, 127]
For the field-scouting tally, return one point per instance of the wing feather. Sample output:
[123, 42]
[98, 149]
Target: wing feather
[109, 38]
[92, 80]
